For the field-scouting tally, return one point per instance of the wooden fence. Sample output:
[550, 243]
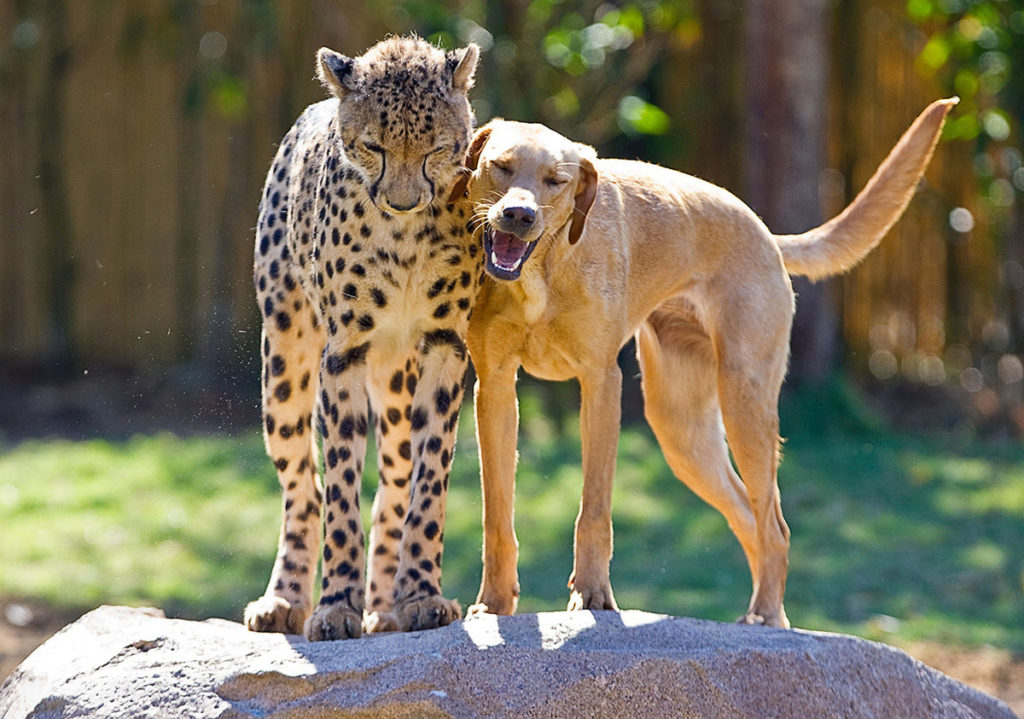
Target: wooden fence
[136, 137]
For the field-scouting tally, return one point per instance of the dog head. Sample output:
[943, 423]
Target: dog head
[530, 187]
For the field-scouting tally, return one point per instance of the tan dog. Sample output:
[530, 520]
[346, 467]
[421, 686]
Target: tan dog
[586, 253]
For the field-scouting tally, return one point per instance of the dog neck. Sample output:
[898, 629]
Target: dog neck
[529, 292]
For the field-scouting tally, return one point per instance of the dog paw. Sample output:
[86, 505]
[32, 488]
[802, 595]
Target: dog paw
[275, 614]
[376, 622]
[493, 605]
[597, 598]
[777, 619]
[334, 622]
[426, 613]
[475, 610]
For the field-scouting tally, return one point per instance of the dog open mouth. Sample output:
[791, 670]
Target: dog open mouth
[505, 253]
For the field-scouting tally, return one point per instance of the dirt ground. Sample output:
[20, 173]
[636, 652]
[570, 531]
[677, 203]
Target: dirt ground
[26, 625]
[23, 627]
[992, 670]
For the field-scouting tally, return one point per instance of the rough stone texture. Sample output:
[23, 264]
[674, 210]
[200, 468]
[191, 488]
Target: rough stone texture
[121, 662]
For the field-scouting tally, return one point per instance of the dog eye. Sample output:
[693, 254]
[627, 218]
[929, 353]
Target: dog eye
[554, 181]
[502, 168]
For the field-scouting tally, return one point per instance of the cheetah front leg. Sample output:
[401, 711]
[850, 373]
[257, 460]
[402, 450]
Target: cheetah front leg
[292, 343]
[343, 426]
[433, 423]
[391, 394]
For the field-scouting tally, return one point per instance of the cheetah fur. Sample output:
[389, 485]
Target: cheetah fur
[365, 276]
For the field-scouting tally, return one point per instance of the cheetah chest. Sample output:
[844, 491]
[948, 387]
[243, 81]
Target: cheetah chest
[395, 276]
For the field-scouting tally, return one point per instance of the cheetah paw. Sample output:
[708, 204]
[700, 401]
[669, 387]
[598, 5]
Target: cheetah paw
[330, 623]
[426, 613]
[275, 614]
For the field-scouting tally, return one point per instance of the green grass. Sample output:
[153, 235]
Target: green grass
[181, 523]
[894, 537]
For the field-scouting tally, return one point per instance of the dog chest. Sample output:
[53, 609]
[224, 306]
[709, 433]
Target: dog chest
[547, 359]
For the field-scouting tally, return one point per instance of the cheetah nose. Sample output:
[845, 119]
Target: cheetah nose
[402, 208]
[521, 216]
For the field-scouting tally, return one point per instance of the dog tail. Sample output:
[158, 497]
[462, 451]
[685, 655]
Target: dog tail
[843, 241]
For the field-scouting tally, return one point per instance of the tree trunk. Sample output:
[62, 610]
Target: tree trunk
[189, 187]
[786, 71]
[60, 355]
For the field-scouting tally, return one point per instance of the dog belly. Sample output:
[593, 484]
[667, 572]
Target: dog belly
[545, 372]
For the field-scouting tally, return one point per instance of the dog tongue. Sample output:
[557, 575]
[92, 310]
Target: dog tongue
[507, 250]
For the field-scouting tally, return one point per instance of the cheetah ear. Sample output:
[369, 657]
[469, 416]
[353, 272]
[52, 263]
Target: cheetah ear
[470, 164]
[337, 72]
[463, 64]
[586, 191]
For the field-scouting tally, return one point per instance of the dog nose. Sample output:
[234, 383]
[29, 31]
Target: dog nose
[522, 216]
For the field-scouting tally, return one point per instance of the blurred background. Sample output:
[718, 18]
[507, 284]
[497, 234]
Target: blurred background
[136, 136]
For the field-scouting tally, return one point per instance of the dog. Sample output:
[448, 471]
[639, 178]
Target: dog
[582, 254]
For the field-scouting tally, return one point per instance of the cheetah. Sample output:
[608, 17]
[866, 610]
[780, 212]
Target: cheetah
[365, 274]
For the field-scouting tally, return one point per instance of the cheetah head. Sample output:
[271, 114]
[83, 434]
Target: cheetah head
[404, 117]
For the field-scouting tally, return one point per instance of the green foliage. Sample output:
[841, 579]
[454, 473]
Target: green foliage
[580, 67]
[639, 117]
[977, 48]
[894, 538]
[976, 44]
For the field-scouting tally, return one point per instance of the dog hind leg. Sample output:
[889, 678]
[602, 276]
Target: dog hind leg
[751, 361]
[681, 406]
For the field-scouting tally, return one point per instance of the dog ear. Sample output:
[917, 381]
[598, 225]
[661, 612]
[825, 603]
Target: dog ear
[469, 164]
[586, 191]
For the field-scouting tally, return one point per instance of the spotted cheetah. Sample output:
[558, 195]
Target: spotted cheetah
[365, 276]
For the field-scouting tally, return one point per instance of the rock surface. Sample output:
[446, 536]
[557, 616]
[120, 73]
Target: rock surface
[121, 662]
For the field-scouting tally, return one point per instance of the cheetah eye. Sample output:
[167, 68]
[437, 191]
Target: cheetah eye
[373, 147]
[436, 155]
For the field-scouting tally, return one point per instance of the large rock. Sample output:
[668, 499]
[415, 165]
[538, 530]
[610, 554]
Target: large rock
[120, 662]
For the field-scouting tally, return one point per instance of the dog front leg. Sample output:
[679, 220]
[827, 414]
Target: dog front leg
[600, 414]
[497, 423]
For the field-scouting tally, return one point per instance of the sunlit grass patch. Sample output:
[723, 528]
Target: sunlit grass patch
[182, 523]
[894, 538]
